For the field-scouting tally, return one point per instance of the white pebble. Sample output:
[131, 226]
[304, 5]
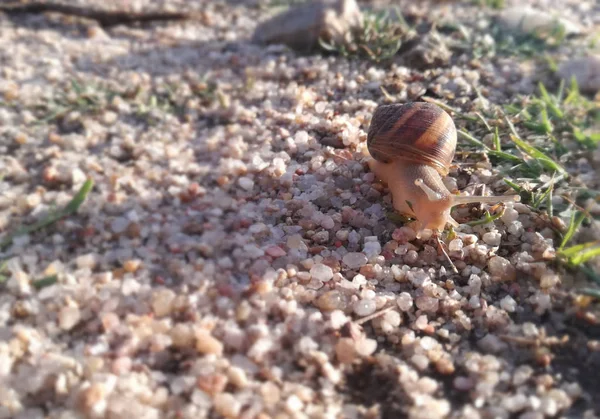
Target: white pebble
[404, 301]
[246, 183]
[365, 307]
[508, 304]
[372, 249]
[510, 215]
[227, 405]
[492, 238]
[455, 245]
[354, 260]
[293, 404]
[327, 222]
[68, 317]
[119, 225]
[321, 272]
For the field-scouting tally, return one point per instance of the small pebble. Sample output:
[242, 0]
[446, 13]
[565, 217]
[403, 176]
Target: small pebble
[227, 405]
[207, 344]
[404, 301]
[321, 272]
[492, 238]
[246, 183]
[365, 307]
[68, 317]
[501, 269]
[354, 260]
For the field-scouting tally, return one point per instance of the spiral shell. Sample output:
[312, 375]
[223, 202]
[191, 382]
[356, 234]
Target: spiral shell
[418, 132]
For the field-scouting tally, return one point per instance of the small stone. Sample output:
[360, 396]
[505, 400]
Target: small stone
[293, 404]
[238, 377]
[359, 280]
[275, 251]
[426, 303]
[119, 225]
[428, 343]
[366, 346]
[491, 344]
[421, 322]
[321, 272]
[492, 238]
[372, 249]
[321, 237]
[207, 343]
[121, 365]
[182, 335]
[586, 71]
[68, 317]
[327, 222]
[162, 302]
[331, 300]
[404, 234]
[393, 318]
[463, 383]
[227, 405]
[404, 301]
[411, 257]
[342, 235]
[521, 375]
[455, 245]
[549, 280]
[345, 350]
[131, 265]
[86, 261]
[354, 260]
[501, 269]
[246, 183]
[296, 242]
[510, 216]
[508, 304]
[365, 307]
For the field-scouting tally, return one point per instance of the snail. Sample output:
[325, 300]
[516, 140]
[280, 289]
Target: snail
[412, 146]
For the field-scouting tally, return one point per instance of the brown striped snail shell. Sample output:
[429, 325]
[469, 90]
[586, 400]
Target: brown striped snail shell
[419, 132]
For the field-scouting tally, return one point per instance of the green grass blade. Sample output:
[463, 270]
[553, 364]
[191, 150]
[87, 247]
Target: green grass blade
[577, 218]
[71, 208]
[544, 160]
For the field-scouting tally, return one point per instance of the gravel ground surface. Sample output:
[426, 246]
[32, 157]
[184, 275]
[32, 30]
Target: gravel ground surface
[234, 245]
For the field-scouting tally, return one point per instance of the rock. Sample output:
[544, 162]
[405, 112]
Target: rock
[321, 272]
[354, 260]
[301, 26]
[586, 71]
[501, 269]
[531, 21]
[207, 343]
[429, 51]
[68, 317]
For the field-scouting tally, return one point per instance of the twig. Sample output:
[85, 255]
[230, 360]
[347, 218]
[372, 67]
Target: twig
[374, 315]
[441, 247]
[105, 18]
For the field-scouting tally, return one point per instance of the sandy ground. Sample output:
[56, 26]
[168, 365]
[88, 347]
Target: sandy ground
[235, 238]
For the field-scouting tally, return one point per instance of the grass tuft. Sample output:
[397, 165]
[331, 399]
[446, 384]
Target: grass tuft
[71, 208]
[378, 39]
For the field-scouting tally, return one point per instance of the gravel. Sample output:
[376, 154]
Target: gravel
[237, 259]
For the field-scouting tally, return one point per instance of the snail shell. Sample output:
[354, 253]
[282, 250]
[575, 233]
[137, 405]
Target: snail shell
[418, 132]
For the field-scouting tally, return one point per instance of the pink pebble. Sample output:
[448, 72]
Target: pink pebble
[275, 251]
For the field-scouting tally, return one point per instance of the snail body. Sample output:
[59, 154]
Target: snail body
[412, 147]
